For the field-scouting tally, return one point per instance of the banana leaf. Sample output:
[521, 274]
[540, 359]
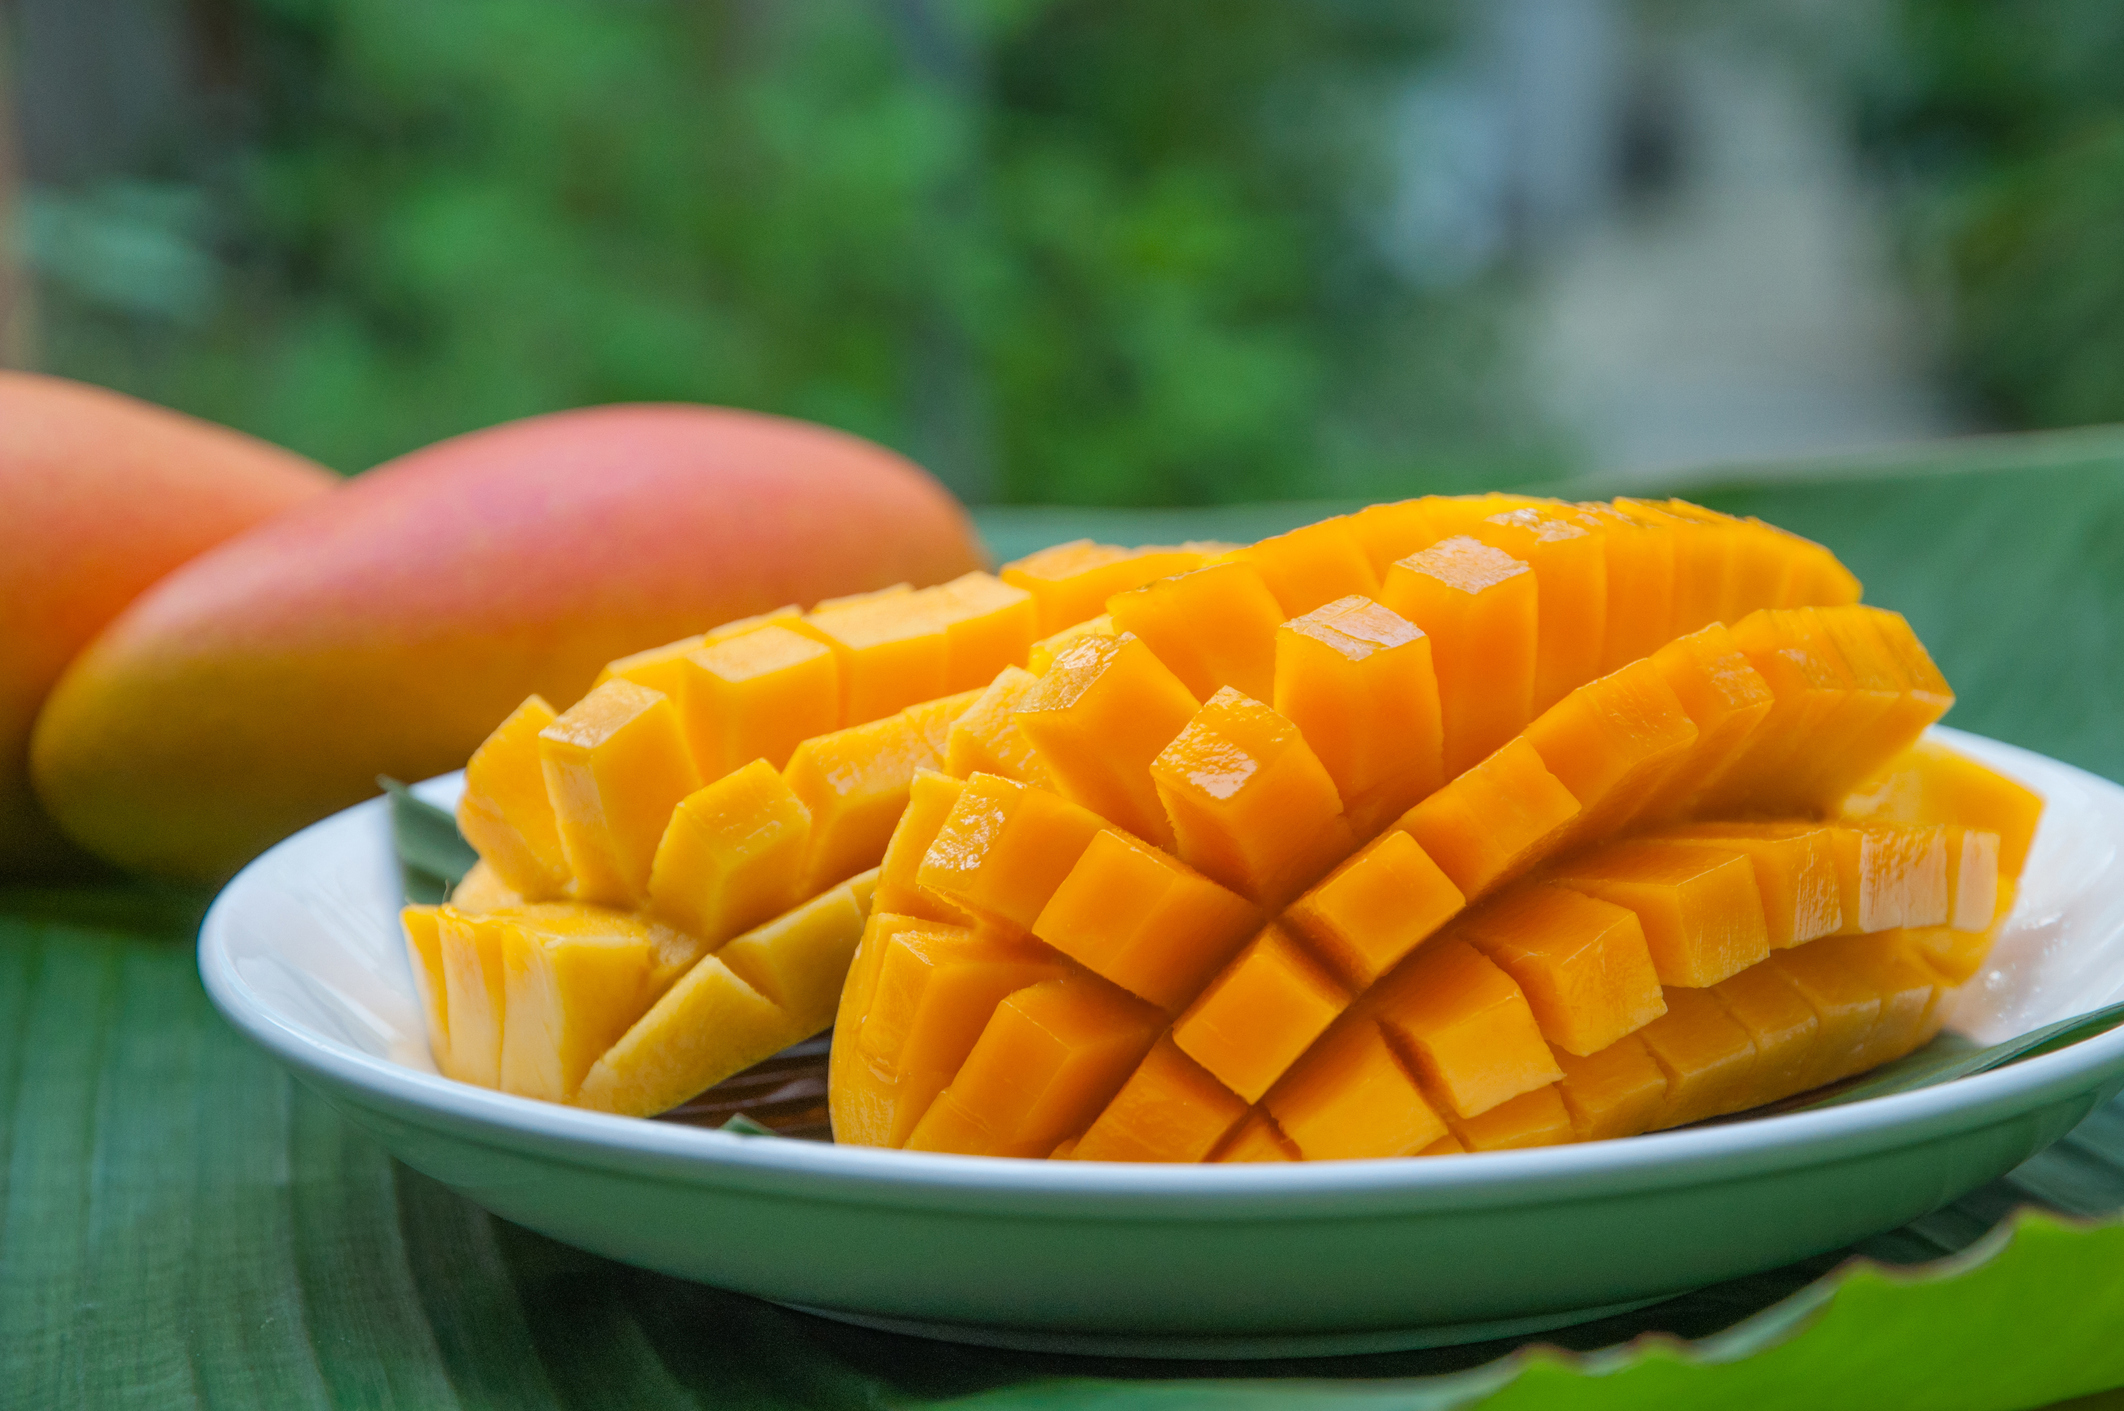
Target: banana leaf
[182, 1225]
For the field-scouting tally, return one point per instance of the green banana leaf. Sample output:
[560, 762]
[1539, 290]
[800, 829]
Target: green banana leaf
[182, 1225]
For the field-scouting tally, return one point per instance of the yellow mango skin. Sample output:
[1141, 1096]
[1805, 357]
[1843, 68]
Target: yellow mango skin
[505, 813]
[616, 766]
[732, 856]
[384, 627]
[713, 1023]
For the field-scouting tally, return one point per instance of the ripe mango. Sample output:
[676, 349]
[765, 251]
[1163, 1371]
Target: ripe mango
[103, 495]
[387, 627]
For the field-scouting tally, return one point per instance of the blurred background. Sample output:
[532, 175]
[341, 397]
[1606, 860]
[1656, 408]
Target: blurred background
[1083, 251]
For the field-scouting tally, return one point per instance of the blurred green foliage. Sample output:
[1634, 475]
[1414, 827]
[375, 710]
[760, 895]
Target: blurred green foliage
[1058, 250]
[2003, 123]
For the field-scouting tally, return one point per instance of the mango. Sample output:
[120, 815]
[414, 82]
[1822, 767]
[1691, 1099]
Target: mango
[105, 495]
[386, 627]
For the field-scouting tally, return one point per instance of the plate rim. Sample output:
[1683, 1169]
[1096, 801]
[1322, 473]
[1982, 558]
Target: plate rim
[707, 1157]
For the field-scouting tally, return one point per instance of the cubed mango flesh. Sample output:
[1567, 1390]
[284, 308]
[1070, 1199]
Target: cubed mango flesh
[1049, 1059]
[1351, 1098]
[1144, 920]
[929, 802]
[1255, 1140]
[1492, 822]
[985, 738]
[1612, 741]
[505, 813]
[1617, 1092]
[1708, 1056]
[577, 978]
[1311, 566]
[1565, 549]
[1259, 1013]
[1356, 679]
[1697, 902]
[854, 783]
[1071, 582]
[1249, 802]
[1796, 873]
[1935, 783]
[475, 994]
[1537, 1118]
[616, 765]
[423, 927]
[1479, 607]
[1170, 1109]
[1466, 1027]
[1783, 1026]
[889, 650]
[1098, 718]
[1582, 963]
[732, 855]
[756, 697]
[988, 624]
[1213, 626]
[1005, 847]
[1367, 914]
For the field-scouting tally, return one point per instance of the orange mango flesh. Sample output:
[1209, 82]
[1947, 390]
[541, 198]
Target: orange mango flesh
[1698, 904]
[1478, 605]
[1569, 558]
[1144, 920]
[1495, 820]
[1616, 1092]
[1375, 908]
[574, 980]
[1611, 742]
[985, 739]
[1935, 783]
[423, 926]
[1103, 712]
[1004, 849]
[1213, 626]
[1071, 582]
[854, 783]
[505, 813]
[1640, 584]
[1255, 1140]
[1250, 803]
[732, 855]
[1466, 1027]
[1170, 1109]
[1259, 1013]
[1582, 963]
[616, 765]
[988, 625]
[1353, 1098]
[1309, 567]
[930, 799]
[1707, 1055]
[1537, 1118]
[1047, 1062]
[1356, 680]
[1796, 874]
[1042, 656]
[756, 696]
[660, 668]
[889, 650]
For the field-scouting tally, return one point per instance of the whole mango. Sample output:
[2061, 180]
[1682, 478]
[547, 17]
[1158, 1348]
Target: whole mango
[100, 495]
[388, 627]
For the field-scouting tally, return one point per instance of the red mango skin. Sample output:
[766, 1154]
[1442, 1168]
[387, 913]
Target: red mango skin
[100, 496]
[389, 627]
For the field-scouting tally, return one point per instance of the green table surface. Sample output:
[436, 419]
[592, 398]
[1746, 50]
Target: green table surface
[183, 1225]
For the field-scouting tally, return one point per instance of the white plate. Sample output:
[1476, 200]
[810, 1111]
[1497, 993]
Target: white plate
[303, 953]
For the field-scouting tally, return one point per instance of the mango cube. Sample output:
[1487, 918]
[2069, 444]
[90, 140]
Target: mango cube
[1103, 712]
[1727, 700]
[1972, 878]
[505, 813]
[1356, 680]
[706, 1027]
[732, 856]
[1479, 607]
[577, 977]
[1255, 1140]
[1005, 847]
[1844, 1005]
[475, 993]
[985, 738]
[1492, 822]
[1382, 903]
[1582, 963]
[1537, 1118]
[1071, 582]
[1698, 904]
[1170, 1109]
[1617, 1092]
[1041, 659]
[1640, 584]
[1466, 1026]
[854, 783]
[1052, 1056]
[1249, 801]
[1351, 1098]
[988, 624]
[616, 765]
[1708, 1056]
[1568, 554]
[797, 959]
[756, 697]
[1260, 1012]
[1935, 783]
[1214, 626]
[1311, 566]
[1783, 1026]
[890, 651]
[1612, 741]
[930, 799]
[1797, 874]
[423, 927]
[1144, 920]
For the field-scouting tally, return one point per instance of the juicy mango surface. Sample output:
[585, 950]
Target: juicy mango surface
[386, 627]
